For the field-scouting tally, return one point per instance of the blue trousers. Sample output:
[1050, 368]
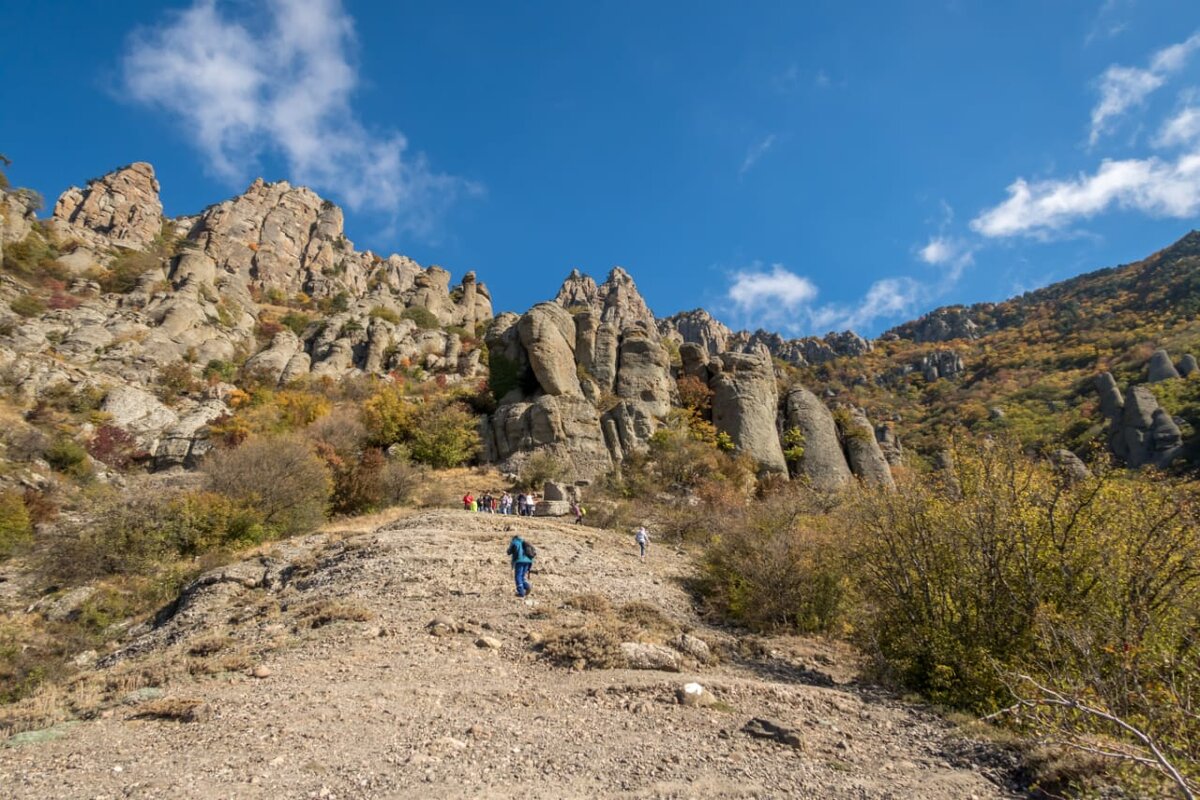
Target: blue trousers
[521, 573]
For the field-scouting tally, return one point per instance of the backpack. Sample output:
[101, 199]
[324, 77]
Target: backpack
[529, 550]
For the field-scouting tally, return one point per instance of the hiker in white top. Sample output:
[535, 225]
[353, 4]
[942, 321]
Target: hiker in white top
[643, 538]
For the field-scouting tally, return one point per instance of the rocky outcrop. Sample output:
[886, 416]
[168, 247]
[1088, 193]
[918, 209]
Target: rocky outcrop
[1140, 433]
[823, 464]
[744, 406]
[1187, 365]
[889, 444]
[698, 327]
[1160, 367]
[863, 453]
[933, 366]
[940, 325]
[122, 207]
[616, 301]
[1070, 465]
[547, 335]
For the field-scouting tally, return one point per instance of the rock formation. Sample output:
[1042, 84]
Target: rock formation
[744, 404]
[941, 325]
[699, 327]
[1140, 433]
[823, 463]
[1160, 367]
[215, 288]
[120, 208]
[863, 453]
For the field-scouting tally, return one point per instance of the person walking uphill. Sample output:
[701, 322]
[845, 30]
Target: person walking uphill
[521, 554]
[642, 537]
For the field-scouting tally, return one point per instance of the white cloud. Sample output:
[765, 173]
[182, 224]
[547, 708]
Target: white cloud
[889, 298]
[1124, 88]
[778, 299]
[1151, 185]
[755, 291]
[756, 152]
[954, 255]
[282, 85]
[1181, 129]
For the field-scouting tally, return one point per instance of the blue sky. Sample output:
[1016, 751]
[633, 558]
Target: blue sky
[799, 166]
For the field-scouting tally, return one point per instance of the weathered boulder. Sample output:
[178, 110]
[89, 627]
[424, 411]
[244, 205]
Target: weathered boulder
[889, 443]
[1070, 465]
[1167, 441]
[1187, 365]
[650, 656]
[548, 336]
[122, 206]
[186, 442]
[565, 426]
[644, 375]
[140, 413]
[1112, 404]
[744, 404]
[1160, 367]
[273, 362]
[863, 453]
[823, 463]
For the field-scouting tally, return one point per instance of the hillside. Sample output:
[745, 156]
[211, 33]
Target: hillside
[1028, 365]
[356, 695]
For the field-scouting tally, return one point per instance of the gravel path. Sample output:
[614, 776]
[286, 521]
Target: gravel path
[376, 704]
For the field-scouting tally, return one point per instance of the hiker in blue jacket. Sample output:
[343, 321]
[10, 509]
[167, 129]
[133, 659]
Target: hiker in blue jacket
[521, 554]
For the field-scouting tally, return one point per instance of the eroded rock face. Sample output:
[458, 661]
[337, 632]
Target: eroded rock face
[548, 337]
[744, 405]
[823, 462]
[1139, 432]
[698, 327]
[1160, 367]
[122, 206]
[940, 325]
[1187, 365]
[616, 301]
[863, 453]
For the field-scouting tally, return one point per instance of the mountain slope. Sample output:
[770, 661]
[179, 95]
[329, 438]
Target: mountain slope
[372, 708]
[1028, 365]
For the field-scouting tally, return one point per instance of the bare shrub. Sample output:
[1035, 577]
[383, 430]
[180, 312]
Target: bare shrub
[280, 478]
[593, 646]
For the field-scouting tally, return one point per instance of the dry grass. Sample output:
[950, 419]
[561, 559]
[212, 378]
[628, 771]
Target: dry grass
[328, 610]
[647, 618]
[591, 603]
[176, 709]
[209, 645]
[218, 665]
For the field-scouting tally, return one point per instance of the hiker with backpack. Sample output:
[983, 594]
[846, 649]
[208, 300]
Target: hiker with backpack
[521, 553]
[578, 511]
[468, 501]
[642, 537]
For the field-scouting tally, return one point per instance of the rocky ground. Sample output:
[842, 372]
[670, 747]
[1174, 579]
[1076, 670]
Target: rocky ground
[314, 671]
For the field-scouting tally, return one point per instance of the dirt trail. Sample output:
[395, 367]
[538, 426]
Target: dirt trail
[382, 707]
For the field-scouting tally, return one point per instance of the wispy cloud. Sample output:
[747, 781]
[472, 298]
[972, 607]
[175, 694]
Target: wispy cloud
[948, 252]
[281, 83]
[779, 299]
[1109, 21]
[1165, 184]
[1150, 185]
[755, 153]
[1124, 88]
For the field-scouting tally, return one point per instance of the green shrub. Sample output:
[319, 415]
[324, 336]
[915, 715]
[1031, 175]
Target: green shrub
[539, 468]
[280, 478]
[221, 370]
[384, 313]
[444, 434]
[768, 570]
[503, 374]
[296, 321]
[28, 305]
[126, 270]
[16, 528]
[31, 257]
[68, 456]
[423, 317]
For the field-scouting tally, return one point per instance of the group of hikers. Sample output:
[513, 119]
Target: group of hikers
[523, 505]
[521, 555]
